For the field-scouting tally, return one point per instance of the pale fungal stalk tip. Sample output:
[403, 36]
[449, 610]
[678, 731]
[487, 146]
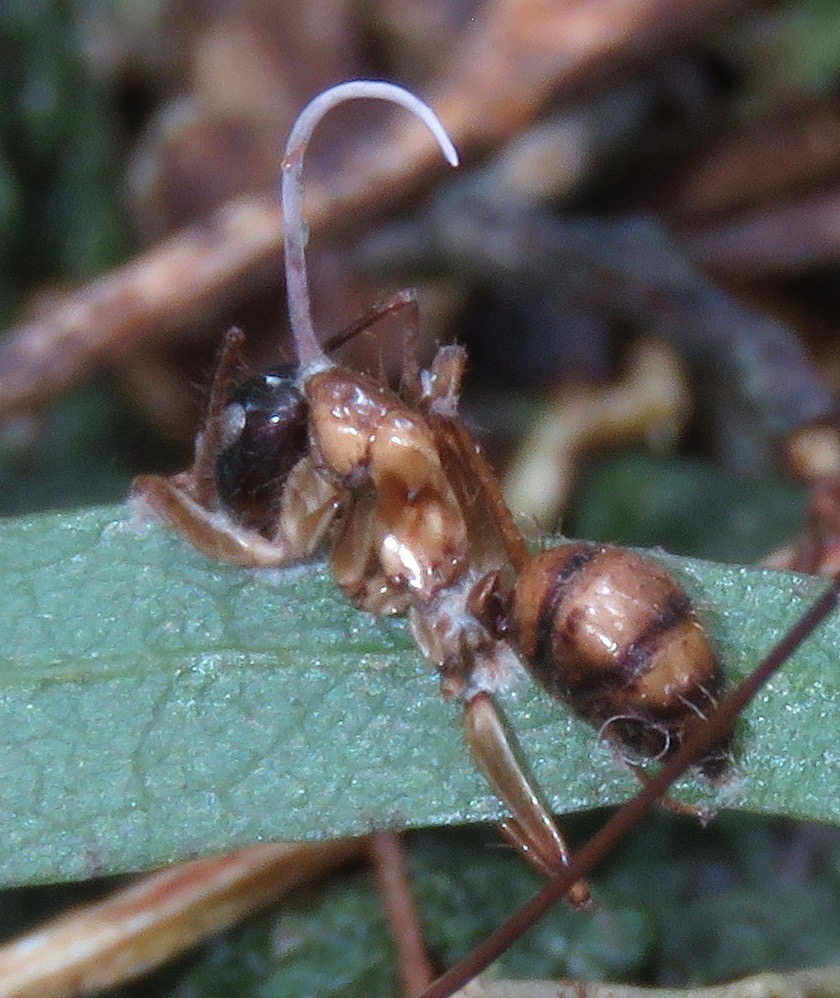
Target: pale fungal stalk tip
[310, 353]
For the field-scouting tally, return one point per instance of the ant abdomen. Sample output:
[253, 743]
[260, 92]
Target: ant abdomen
[615, 637]
[263, 436]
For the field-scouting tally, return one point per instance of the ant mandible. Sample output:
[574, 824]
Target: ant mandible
[416, 523]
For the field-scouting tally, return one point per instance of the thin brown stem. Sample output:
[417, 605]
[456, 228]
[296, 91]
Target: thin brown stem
[388, 857]
[157, 917]
[600, 845]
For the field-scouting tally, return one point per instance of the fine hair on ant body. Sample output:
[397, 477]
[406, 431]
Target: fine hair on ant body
[416, 523]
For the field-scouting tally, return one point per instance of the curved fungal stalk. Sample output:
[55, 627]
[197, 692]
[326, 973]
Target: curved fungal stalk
[310, 354]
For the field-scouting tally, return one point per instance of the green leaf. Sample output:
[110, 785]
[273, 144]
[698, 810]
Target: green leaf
[155, 705]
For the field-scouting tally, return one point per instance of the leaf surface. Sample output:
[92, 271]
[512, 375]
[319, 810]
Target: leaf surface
[155, 705]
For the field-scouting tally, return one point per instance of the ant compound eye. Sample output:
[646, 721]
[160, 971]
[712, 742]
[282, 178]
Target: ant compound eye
[264, 435]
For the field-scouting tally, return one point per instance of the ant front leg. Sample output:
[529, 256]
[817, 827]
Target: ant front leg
[209, 441]
[532, 829]
[188, 502]
[205, 529]
[309, 506]
[401, 301]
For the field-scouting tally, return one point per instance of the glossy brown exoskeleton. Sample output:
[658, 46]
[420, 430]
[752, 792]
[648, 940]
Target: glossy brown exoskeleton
[416, 523]
[616, 638]
[263, 437]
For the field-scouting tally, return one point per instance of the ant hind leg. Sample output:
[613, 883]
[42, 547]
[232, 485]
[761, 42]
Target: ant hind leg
[532, 828]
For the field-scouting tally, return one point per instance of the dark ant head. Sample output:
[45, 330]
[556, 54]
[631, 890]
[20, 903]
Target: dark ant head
[263, 437]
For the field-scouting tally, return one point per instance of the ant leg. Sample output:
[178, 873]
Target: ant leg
[441, 386]
[204, 529]
[208, 440]
[702, 814]
[309, 506]
[532, 829]
[409, 387]
[187, 501]
[512, 831]
[406, 298]
[355, 565]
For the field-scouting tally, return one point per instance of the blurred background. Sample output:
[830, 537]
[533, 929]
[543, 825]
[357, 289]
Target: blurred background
[640, 252]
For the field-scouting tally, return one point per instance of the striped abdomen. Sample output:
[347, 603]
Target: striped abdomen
[615, 637]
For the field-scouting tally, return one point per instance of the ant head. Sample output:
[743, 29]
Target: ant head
[311, 356]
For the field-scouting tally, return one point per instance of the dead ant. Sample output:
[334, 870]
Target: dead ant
[417, 523]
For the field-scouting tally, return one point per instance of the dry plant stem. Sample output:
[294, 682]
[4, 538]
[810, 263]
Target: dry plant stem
[719, 722]
[823, 982]
[389, 866]
[138, 928]
[514, 58]
[653, 399]
[785, 239]
[783, 156]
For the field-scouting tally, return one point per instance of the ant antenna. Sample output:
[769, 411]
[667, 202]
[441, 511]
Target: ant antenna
[310, 353]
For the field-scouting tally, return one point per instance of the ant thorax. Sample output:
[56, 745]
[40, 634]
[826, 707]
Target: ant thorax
[384, 453]
[450, 632]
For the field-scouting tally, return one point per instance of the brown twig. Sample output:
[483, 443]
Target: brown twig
[601, 844]
[516, 56]
[157, 917]
[781, 157]
[774, 240]
[389, 866]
